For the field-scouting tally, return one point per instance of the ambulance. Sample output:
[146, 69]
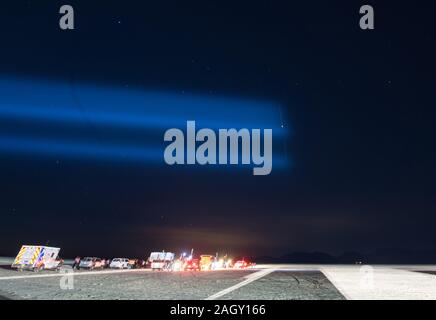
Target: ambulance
[36, 258]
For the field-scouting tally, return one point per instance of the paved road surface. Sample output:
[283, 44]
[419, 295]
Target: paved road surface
[284, 282]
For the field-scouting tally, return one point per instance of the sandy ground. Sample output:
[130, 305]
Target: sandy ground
[146, 284]
[164, 285]
[288, 285]
[270, 282]
[124, 285]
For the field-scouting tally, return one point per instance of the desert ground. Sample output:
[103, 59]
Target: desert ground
[263, 282]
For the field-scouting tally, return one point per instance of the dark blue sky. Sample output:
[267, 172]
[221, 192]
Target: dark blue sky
[358, 145]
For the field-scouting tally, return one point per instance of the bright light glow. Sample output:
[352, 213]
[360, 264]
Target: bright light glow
[113, 124]
[177, 265]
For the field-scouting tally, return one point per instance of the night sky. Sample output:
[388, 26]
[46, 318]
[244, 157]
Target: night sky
[356, 156]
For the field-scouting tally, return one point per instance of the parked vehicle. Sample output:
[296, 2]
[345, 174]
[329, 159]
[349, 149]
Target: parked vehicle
[140, 264]
[161, 260]
[119, 263]
[192, 265]
[206, 262]
[37, 258]
[91, 263]
[242, 264]
[222, 263]
[137, 264]
[133, 263]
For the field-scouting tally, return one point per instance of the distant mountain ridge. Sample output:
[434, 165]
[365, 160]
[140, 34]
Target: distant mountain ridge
[381, 256]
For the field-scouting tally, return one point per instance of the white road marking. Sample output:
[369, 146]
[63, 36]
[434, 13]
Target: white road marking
[386, 283]
[52, 275]
[390, 282]
[331, 277]
[291, 269]
[248, 279]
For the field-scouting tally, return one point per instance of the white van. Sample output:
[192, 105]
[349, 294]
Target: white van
[120, 263]
[161, 260]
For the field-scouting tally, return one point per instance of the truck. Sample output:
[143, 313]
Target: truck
[36, 258]
[161, 260]
[206, 262]
[191, 265]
